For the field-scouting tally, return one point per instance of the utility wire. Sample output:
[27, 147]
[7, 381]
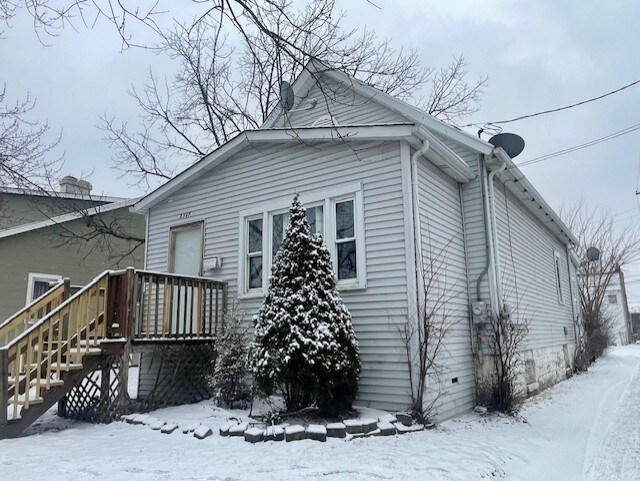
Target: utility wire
[568, 150]
[544, 112]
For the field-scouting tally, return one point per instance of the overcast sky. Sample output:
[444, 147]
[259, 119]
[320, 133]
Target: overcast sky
[538, 55]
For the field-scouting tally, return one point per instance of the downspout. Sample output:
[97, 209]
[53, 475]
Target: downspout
[416, 218]
[496, 250]
[487, 240]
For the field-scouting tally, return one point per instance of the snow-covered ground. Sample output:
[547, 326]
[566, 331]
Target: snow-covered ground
[586, 428]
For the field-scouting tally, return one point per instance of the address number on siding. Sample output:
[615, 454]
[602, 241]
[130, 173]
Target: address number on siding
[184, 215]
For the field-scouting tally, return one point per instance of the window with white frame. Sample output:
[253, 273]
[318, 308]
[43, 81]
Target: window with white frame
[337, 216]
[558, 271]
[38, 284]
[346, 259]
[254, 253]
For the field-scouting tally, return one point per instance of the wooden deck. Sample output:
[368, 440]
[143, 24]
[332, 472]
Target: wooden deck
[49, 346]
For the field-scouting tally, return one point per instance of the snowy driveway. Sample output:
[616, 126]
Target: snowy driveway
[587, 428]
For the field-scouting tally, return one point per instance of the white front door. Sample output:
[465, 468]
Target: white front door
[186, 259]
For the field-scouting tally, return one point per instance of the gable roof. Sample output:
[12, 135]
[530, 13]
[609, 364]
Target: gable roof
[424, 126]
[520, 185]
[440, 154]
[61, 219]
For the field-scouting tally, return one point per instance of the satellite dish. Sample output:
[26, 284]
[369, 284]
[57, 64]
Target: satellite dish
[512, 144]
[286, 96]
[593, 254]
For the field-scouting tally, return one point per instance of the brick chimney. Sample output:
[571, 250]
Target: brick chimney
[71, 185]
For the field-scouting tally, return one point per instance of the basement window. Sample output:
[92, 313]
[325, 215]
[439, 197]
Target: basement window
[613, 299]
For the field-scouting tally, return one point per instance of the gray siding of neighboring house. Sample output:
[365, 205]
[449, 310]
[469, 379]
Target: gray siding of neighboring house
[19, 209]
[255, 177]
[528, 275]
[442, 245]
[343, 104]
[42, 251]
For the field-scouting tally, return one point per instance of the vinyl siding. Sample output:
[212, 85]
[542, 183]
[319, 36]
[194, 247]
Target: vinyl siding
[341, 102]
[442, 244]
[254, 178]
[44, 251]
[527, 268]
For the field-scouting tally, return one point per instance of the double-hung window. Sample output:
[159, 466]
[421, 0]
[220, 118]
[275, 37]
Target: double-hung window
[337, 215]
[254, 253]
[346, 259]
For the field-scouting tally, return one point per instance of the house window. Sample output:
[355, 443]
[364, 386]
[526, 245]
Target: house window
[336, 215]
[315, 217]
[558, 271]
[254, 253]
[613, 299]
[346, 250]
[38, 284]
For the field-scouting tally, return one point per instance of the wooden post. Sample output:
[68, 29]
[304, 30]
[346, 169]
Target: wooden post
[130, 300]
[4, 389]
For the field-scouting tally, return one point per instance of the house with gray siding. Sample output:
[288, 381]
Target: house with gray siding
[44, 237]
[426, 205]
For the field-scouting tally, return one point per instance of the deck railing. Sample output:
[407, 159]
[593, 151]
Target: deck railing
[36, 359]
[120, 306]
[171, 306]
[27, 316]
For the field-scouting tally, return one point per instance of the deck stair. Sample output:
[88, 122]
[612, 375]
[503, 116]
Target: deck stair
[48, 348]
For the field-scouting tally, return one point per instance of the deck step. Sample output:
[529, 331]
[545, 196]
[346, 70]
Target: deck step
[63, 367]
[21, 400]
[43, 382]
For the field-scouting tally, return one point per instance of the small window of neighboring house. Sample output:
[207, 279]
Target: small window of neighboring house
[38, 284]
[613, 299]
[558, 272]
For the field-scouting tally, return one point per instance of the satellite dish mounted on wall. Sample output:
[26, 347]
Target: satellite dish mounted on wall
[287, 98]
[512, 144]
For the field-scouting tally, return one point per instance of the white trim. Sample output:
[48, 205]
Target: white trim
[36, 276]
[310, 197]
[411, 236]
[60, 219]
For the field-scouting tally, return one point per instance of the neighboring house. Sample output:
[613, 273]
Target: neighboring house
[392, 190]
[616, 309]
[40, 243]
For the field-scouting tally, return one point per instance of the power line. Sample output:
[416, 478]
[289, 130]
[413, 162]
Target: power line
[590, 143]
[544, 112]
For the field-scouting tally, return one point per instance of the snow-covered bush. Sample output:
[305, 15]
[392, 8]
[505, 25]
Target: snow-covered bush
[231, 362]
[304, 347]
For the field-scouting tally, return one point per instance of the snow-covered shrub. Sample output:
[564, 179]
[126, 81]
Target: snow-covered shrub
[231, 362]
[304, 346]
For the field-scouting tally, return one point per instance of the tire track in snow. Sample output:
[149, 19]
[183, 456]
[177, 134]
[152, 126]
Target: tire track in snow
[613, 452]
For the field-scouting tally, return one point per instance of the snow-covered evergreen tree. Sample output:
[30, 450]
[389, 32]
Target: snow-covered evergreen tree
[304, 346]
